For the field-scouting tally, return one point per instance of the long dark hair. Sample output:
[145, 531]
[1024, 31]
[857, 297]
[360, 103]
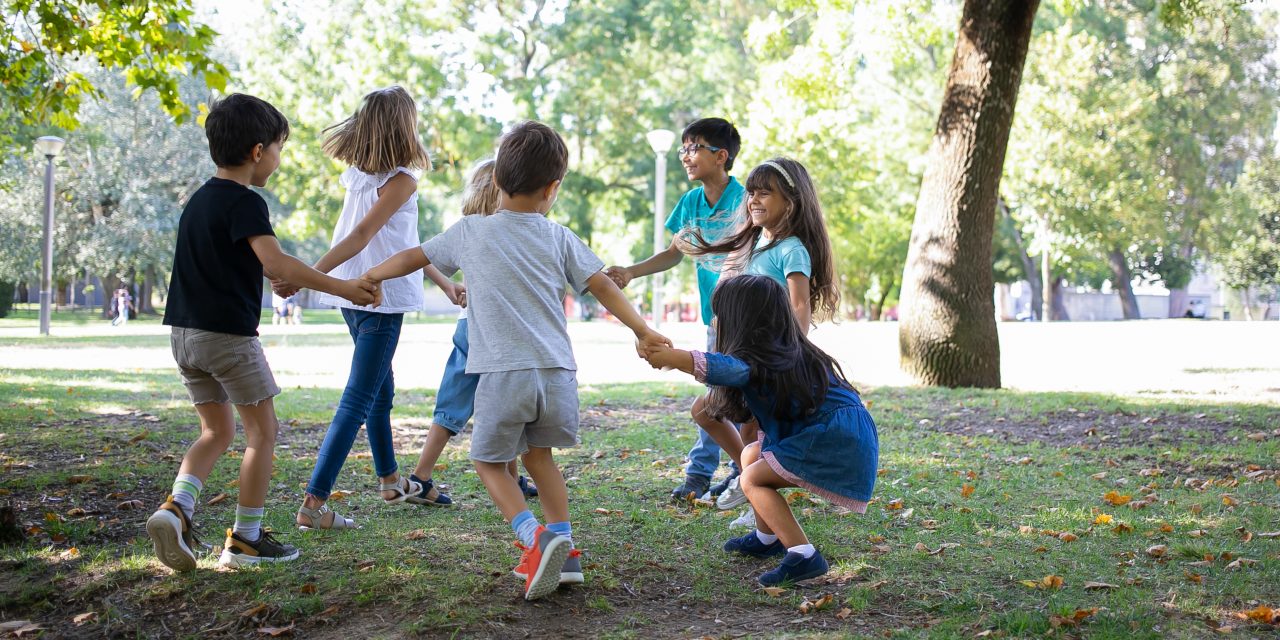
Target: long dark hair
[755, 324]
[803, 220]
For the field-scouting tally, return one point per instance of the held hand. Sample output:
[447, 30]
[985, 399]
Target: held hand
[363, 292]
[620, 276]
[659, 357]
[650, 340]
[457, 294]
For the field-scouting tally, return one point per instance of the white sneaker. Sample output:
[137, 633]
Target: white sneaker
[732, 496]
[745, 521]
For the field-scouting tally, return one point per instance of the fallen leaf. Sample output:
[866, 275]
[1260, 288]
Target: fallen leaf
[70, 554]
[276, 631]
[844, 613]
[216, 499]
[1166, 528]
[1229, 500]
[929, 524]
[1103, 519]
[966, 490]
[906, 514]
[79, 479]
[1099, 586]
[1240, 563]
[1157, 551]
[1101, 475]
[364, 565]
[1263, 614]
[76, 512]
[1198, 533]
[774, 591]
[339, 495]
[129, 505]
[1051, 582]
[1116, 499]
[332, 610]
[416, 534]
[1067, 536]
[877, 584]
[875, 539]
[254, 612]
[597, 455]
[91, 616]
[1269, 535]
[894, 505]
[140, 437]
[308, 588]
[1122, 528]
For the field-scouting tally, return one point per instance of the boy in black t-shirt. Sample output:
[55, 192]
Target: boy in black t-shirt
[225, 244]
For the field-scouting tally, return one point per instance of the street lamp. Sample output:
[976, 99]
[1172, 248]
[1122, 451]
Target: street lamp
[49, 146]
[660, 141]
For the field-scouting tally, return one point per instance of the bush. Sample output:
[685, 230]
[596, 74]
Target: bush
[6, 297]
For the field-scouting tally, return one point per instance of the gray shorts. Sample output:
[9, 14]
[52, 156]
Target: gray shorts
[221, 367]
[526, 408]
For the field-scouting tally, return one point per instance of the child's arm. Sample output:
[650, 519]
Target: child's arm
[603, 288]
[394, 193]
[401, 264]
[668, 358]
[660, 261]
[798, 288]
[453, 290]
[286, 267]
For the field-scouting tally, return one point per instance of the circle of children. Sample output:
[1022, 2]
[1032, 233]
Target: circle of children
[512, 368]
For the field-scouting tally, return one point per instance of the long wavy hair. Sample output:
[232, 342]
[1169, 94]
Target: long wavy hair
[803, 219]
[481, 194]
[381, 135]
[755, 324]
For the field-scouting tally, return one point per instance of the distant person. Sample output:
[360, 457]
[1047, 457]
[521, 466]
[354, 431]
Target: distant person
[123, 306]
[821, 438]
[279, 308]
[708, 149]
[224, 246]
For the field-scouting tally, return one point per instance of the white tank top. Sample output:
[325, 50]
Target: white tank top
[399, 295]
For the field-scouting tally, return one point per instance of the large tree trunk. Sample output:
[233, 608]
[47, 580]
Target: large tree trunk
[1124, 284]
[146, 291]
[109, 285]
[1178, 295]
[1029, 269]
[1246, 301]
[948, 331]
[1058, 306]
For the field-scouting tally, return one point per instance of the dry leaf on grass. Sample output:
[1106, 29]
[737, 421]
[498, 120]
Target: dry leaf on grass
[129, 505]
[416, 534]
[816, 605]
[1047, 582]
[1103, 519]
[1099, 586]
[1263, 614]
[1074, 619]
[1067, 536]
[254, 612]
[84, 618]
[276, 631]
[774, 591]
[844, 613]
[1198, 533]
[1157, 551]
[79, 479]
[339, 495]
[1116, 499]
[966, 490]
[216, 499]
[1240, 563]
[894, 505]
[140, 437]
[365, 565]
[308, 588]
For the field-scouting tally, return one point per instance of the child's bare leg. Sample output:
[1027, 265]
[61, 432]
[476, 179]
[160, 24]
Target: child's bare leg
[260, 427]
[502, 488]
[217, 429]
[552, 492]
[773, 514]
[513, 470]
[437, 438]
[750, 432]
[722, 431]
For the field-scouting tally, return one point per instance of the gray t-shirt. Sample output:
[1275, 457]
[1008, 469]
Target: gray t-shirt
[517, 267]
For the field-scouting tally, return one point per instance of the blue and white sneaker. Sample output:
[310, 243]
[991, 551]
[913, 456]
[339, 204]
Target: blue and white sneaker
[794, 568]
[750, 545]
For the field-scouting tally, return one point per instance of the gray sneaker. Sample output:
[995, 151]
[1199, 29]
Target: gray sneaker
[745, 521]
[732, 496]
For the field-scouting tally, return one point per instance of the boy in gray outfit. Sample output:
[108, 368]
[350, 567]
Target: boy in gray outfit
[517, 264]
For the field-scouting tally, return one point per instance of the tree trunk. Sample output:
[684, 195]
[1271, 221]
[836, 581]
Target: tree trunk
[1124, 284]
[878, 310]
[948, 331]
[144, 303]
[1058, 310]
[1178, 296]
[1246, 301]
[109, 285]
[1029, 270]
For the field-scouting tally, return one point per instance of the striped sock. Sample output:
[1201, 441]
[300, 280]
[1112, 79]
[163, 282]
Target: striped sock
[186, 491]
[249, 522]
[562, 528]
[525, 526]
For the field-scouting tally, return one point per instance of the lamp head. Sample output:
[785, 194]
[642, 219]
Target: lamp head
[660, 140]
[49, 146]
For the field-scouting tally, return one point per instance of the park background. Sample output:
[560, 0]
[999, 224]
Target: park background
[1098, 479]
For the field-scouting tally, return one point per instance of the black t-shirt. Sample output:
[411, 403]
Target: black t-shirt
[217, 278]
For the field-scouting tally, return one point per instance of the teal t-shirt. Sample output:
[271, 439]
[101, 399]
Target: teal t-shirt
[781, 260]
[693, 211]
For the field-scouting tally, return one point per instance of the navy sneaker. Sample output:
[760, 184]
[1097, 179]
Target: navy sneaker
[527, 487]
[693, 485]
[794, 568]
[750, 545]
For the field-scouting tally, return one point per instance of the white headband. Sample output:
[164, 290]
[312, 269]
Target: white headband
[777, 166]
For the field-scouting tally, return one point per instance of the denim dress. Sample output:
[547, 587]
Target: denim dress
[833, 452]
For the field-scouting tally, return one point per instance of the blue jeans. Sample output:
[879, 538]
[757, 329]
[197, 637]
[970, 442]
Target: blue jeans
[456, 399]
[704, 457]
[366, 400]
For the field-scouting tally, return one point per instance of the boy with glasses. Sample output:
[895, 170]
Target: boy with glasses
[708, 149]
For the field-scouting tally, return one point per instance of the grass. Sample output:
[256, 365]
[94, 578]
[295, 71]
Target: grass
[27, 315]
[1016, 481]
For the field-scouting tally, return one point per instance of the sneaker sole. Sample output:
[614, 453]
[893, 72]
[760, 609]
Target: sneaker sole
[235, 560]
[165, 530]
[739, 499]
[565, 577]
[796, 579]
[553, 556]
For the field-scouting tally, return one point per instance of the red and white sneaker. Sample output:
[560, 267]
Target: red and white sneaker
[540, 564]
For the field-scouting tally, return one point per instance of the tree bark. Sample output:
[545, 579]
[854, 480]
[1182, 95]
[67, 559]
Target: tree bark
[145, 292]
[1058, 308]
[948, 331]
[1178, 296]
[1246, 300]
[109, 285]
[1124, 284]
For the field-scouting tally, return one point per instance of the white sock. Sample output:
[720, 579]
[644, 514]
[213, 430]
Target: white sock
[805, 550]
[186, 490]
[767, 538]
[249, 522]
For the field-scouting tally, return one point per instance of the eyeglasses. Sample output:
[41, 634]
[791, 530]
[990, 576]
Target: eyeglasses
[690, 149]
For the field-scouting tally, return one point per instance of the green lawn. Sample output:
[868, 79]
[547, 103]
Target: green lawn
[27, 315]
[990, 519]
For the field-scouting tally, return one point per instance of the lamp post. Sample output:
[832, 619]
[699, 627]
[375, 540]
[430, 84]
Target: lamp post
[49, 146]
[660, 141]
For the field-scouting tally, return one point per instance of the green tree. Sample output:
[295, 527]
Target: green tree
[1251, 257]
[48, 49]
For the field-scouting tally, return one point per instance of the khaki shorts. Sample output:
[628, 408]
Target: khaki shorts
[221, 367]
[526, 408]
